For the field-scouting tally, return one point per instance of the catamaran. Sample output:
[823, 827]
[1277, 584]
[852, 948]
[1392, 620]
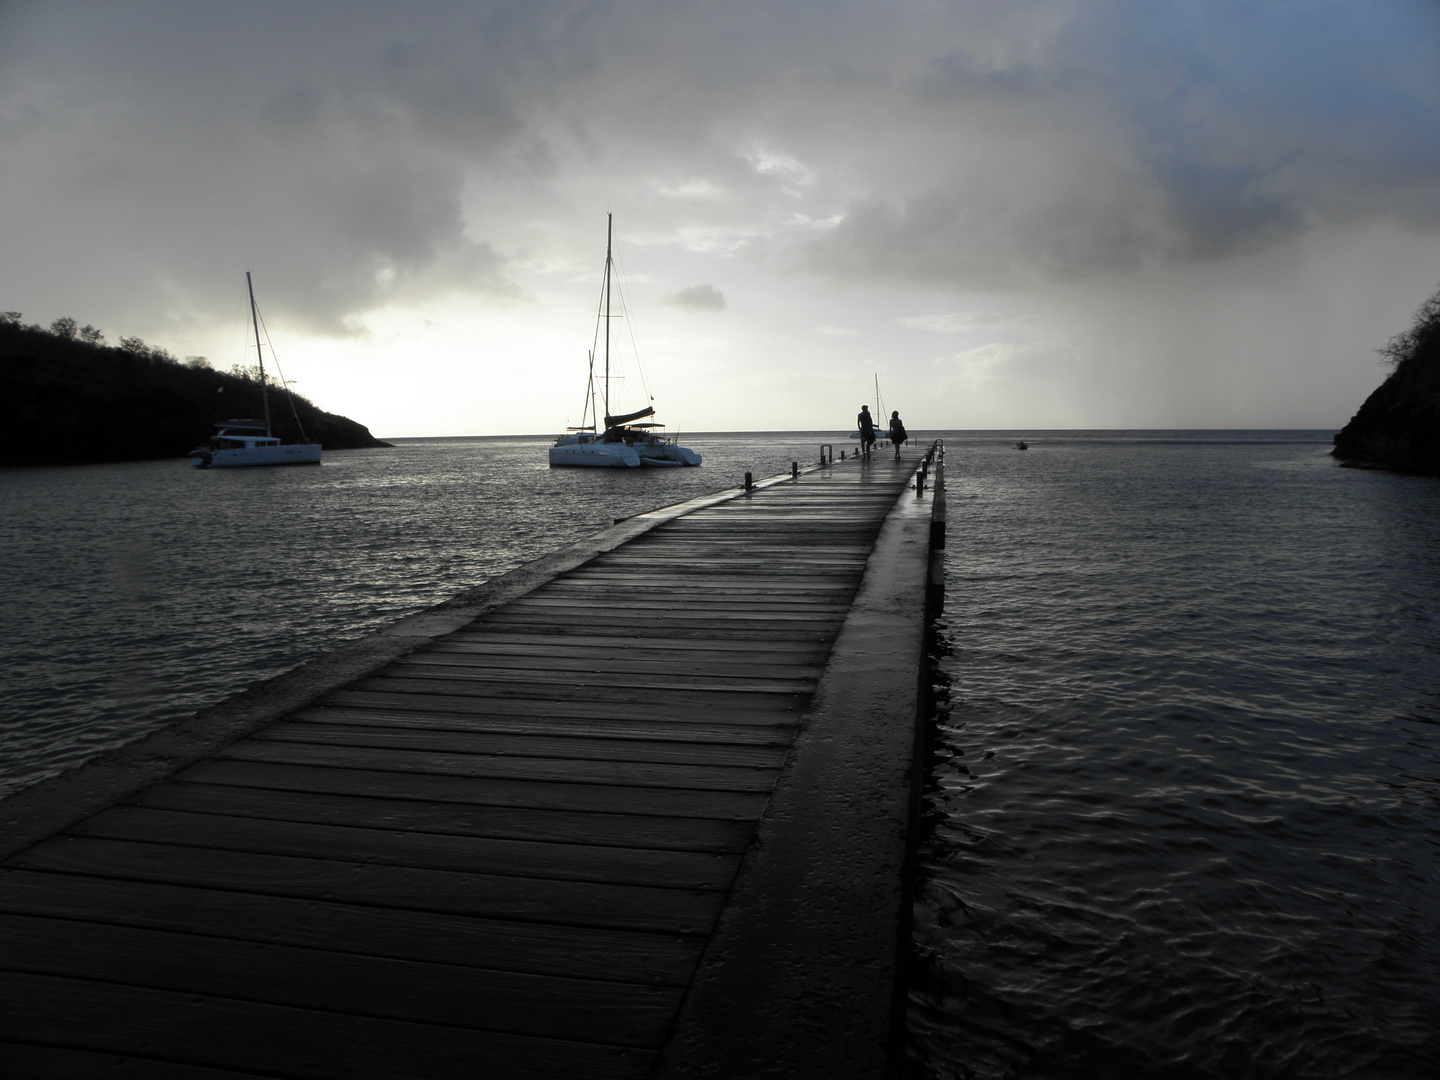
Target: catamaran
[250, 442]
[628, 441]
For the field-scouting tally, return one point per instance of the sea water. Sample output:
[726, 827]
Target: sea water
[133, 594]
[1183, 807]
[1183, 813]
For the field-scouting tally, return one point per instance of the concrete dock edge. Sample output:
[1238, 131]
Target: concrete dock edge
[803, 977]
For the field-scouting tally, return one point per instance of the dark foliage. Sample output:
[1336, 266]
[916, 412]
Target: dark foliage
[1398, 427]
[67, 401]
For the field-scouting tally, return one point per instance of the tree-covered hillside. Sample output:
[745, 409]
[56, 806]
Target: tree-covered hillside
[1398, 427]
[67, 398]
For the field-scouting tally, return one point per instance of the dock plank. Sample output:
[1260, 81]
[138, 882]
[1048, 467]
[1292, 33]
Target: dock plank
[559, 770]
[549, 900]
[573, 861]
[500, 945]
[655, 692]
[607, 727]
[430, 666]
[488, 791]
[499, 822]
[376, 693]
[570, 746]
[624, 1014]
[189, 1029]
[67, 1063]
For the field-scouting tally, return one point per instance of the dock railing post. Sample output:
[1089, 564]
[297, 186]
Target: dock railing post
[936, 594]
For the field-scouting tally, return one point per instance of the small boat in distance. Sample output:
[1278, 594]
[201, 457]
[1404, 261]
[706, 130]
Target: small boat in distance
[239, 443]
[628, 441]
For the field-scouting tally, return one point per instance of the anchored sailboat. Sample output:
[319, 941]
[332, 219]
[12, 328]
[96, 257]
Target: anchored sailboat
[249, 442]
[627, 441]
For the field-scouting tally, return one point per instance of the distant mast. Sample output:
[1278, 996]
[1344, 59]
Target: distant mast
[259, 355]
[609, 226]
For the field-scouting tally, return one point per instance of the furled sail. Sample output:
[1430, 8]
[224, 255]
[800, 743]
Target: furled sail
[616, 421]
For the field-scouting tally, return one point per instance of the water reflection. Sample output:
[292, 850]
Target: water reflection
[133, 594]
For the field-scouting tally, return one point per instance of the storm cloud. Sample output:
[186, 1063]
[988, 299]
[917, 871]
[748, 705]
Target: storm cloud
[698, 298]
[369, 162]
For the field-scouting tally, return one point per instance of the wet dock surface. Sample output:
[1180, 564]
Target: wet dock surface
[502, 854]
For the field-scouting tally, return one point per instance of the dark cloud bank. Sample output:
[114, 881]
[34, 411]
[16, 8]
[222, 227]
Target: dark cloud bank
[369, 156]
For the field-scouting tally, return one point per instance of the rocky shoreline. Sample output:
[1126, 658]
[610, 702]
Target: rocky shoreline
[1398, 427]
[72, 402]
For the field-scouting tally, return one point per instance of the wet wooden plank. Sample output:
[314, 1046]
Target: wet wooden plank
[570, 747]
[480, 999]
[636, 603]
[635, 642]
[488, 791]
[500, 822]
[440, 666]
[305, 1043]
[492, 896]
[571, 862]
[555, 770]
[590, 578]
[475, 655]
[377, 693]
[767, 734]
[667, 622]
[740, 560]
[599, 698]
[605, 954]
[710, 581]
[699, 630]
[27, 1061]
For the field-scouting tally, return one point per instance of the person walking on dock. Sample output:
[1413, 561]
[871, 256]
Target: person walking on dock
[866, 423]
[897, 432]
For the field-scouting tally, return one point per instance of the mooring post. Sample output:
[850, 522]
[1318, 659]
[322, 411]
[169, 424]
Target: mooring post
[937, 516]
[748, 482]
[794, 470]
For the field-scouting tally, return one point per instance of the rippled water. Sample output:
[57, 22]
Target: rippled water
[133, 594]
[1184, 812]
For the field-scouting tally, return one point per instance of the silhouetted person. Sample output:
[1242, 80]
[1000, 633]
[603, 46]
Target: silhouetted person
[897, 432]
[866, 424]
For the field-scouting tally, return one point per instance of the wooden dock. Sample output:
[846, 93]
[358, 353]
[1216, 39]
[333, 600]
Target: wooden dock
[514, 850]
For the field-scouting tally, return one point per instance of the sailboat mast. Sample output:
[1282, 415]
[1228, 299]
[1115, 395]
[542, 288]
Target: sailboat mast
[609, 226]
[259, 355]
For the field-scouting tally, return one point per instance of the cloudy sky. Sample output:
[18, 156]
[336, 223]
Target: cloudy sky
[1015, 214]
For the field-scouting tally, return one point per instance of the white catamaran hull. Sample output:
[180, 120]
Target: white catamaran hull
[596, 455]
[304, 454]
[668, 454]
